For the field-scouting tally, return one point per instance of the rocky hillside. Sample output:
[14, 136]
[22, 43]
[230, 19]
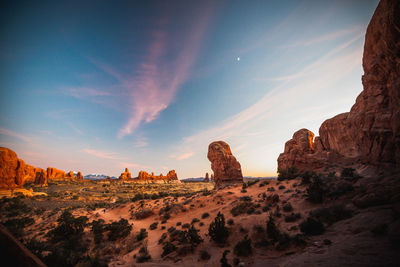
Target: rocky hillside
[368, 137]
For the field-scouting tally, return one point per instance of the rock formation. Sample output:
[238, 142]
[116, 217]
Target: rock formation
[41, 178]
[367, 137]
[170, 177]
[55, 174]
[226, 168]
[126, 175]
[79, 176]
[15, 173]
[206, 178]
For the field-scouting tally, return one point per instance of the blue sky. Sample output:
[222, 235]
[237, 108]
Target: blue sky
[97, 86]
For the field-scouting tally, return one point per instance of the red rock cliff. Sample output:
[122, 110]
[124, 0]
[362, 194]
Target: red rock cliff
[368, 135]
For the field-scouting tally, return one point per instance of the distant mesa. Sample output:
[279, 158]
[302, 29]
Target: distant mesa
[226, 168]
[146, 177]
[368, 137]
[14, 172]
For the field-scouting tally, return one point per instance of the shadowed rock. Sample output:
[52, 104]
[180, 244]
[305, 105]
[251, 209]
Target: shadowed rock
[367, 137]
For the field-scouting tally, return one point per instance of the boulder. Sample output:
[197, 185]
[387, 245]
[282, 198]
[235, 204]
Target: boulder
[226, 168]
[367, 137]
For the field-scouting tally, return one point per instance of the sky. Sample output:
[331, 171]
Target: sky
[98, 86]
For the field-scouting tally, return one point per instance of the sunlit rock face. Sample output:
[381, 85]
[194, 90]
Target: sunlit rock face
[226, 168]
[126, 175]
[146, 177]
[368, 135]
[55, 174]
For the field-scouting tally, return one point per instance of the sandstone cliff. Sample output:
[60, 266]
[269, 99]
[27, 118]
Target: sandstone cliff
[14, 172]
[226, 168]
[367, 137]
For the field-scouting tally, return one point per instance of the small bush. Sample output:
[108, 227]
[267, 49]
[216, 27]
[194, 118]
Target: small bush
[243, 248]
[204, 255]
[143, 255]
[315, 191]
[287, 207]
[153, 226]
[168, 248]
[16, 226]
[331, 214]
[142, 214]
[230, 221]
[312, 227]
[349, 173]
[205, 215]
[292, 217]
[119, 229]
[287, 174]
[195, 220]
[224, 260]
[141, 235]
[186, 225]
[217, 231]
[273, 232]
[241, 208]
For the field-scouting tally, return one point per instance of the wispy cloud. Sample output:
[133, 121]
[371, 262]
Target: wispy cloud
[101, 154]
[183, 156]
[22, 137]
[140, 142]
[158, 81]
[134, 166]
[325, 37]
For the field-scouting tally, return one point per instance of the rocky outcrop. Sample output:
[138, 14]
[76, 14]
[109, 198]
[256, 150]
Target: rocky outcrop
[70, 175]
[207, 178]
[226, 168]
[146, 177]
[126, 175]
[367, 137]
[79, 176]
[55, 174]
[41, 177]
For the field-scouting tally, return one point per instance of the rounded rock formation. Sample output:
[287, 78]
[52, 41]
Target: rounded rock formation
[226, 168]
[126, 175]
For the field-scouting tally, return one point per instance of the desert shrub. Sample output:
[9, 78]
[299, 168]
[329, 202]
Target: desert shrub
[143, 255]
[204, 255]
[243, 248]
[186, 225]
[273, 232]
[253, 182]
[273, 198]
[224, 260]
[14, 206]
[230, 221]
[153, 226]
[195, 220]
[331, 214]
[245, 198]
[292, 217]
[119, 229]
[270, 189]
[241, 208]
[315, 191]
[281, 187]
[217, 231]
[287, 174]
[349, 173]
[312, 227]
[168, 248]
[178, 223]
[16, 226]
[205, 215]
[141, 235]
[68, 227]
[143, 213]
[162, 238]
[287, 207]
[98, 228]
[244, 186]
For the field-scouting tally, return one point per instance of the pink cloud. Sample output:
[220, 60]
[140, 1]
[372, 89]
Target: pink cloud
[157, 81]
[101, 154]
[25, 138]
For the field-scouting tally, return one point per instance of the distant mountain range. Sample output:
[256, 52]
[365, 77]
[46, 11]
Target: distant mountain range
[97, 177]
[199, 179]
